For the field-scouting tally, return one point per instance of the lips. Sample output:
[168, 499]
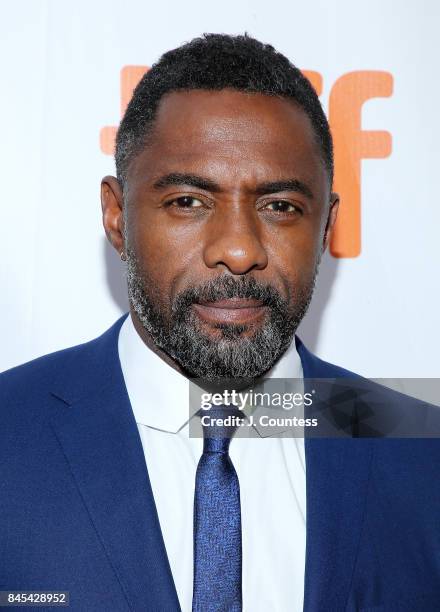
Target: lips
[231, 310]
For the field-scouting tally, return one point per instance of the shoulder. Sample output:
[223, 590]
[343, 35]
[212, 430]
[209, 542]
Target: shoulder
[401, 434]
[66, 371]
[370, 408]
[315, 367]
[41, 372]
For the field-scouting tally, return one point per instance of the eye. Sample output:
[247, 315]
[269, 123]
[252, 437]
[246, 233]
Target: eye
[282, 206]
[186, 202]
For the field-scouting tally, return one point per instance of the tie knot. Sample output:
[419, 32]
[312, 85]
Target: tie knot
[219, 424]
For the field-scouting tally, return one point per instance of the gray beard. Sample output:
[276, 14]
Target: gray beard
[232, 355]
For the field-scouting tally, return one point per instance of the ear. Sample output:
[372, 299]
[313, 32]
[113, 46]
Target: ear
[331, 220]
[112, 212]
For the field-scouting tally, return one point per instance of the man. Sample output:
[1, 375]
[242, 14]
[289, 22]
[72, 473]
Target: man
[222, 207]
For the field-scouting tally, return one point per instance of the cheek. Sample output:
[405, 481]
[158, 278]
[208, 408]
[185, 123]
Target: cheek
[164, 250]
[295, 253]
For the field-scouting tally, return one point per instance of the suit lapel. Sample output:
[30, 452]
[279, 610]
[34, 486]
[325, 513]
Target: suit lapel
[100, 440]
[337, 472]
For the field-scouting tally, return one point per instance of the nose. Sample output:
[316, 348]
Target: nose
[233, 241]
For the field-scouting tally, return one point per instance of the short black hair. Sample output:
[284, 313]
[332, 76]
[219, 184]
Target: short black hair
[215, 62]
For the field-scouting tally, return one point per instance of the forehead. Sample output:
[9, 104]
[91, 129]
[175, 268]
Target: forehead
[232, 134]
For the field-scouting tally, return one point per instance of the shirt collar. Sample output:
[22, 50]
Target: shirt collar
[159, 394]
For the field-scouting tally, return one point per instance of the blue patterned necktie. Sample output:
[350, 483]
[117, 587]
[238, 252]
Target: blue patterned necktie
[217, 522]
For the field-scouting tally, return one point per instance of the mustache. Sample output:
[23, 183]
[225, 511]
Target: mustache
[225, 287]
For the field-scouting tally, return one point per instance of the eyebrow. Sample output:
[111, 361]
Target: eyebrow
[192, 180]
[284, 185]
[199, 182]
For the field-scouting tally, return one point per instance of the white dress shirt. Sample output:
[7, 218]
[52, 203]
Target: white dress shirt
[271, 473]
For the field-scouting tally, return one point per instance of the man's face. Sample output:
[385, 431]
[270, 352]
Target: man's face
[226, 211]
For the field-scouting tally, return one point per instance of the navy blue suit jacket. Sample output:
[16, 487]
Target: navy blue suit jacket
[77, 511]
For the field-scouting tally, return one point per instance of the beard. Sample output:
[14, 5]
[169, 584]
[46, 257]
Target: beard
[233, 353]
